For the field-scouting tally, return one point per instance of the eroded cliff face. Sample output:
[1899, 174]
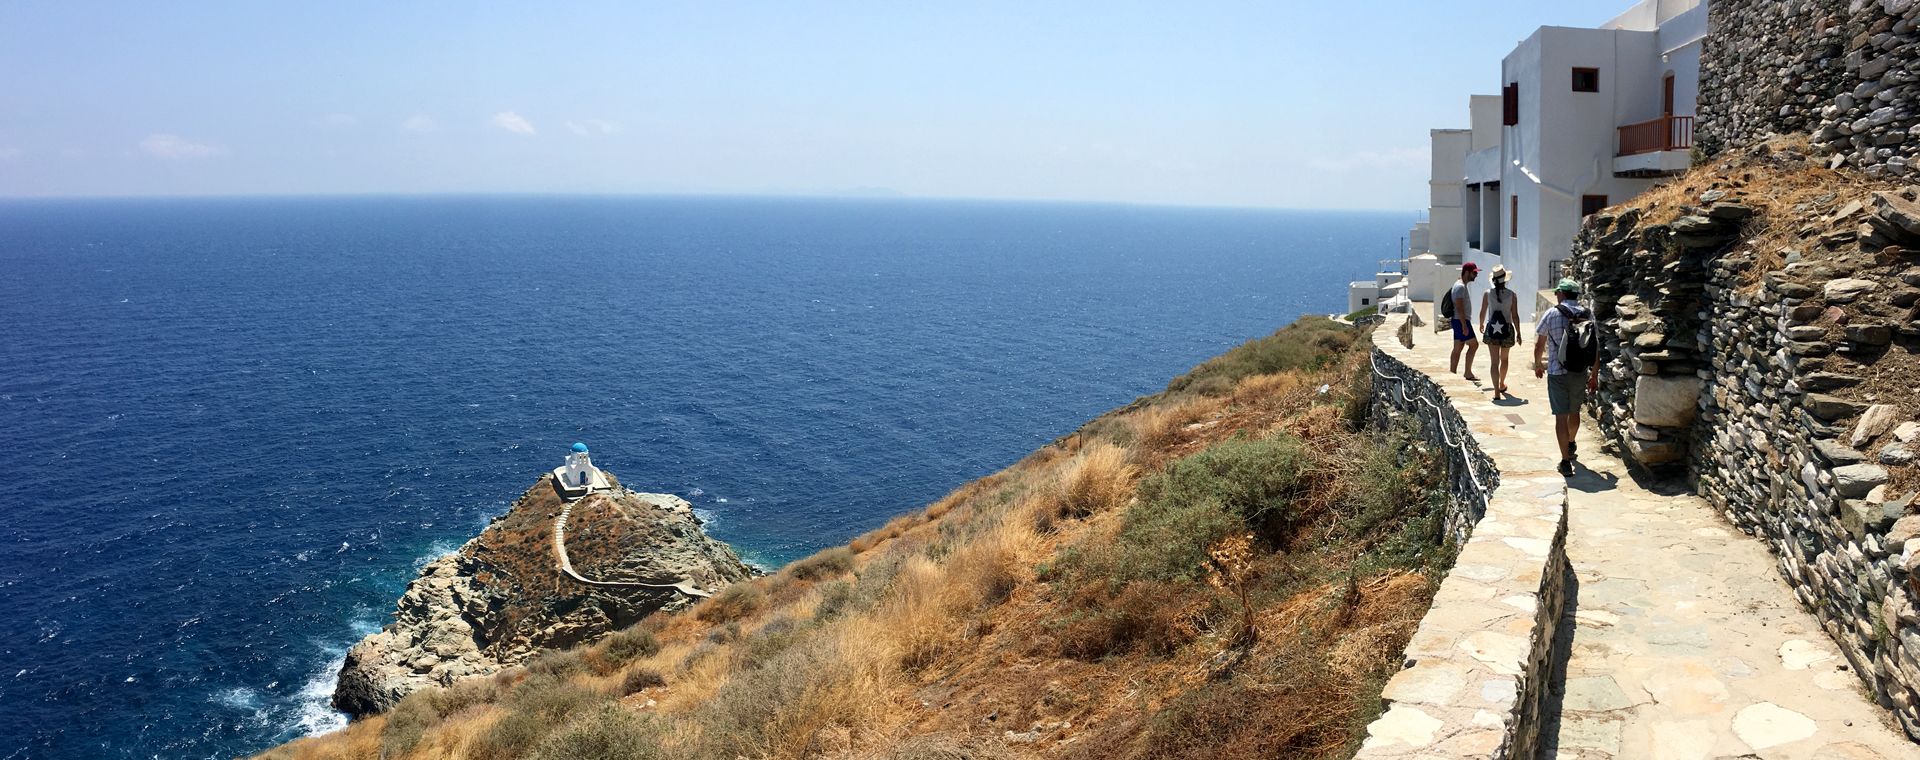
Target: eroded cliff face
[502, 596]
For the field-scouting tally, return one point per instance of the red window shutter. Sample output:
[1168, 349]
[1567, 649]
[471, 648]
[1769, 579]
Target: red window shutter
[1510, 104]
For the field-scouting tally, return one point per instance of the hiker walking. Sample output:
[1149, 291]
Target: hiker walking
[1456, 307]
[1500, 325]
[1566, 351]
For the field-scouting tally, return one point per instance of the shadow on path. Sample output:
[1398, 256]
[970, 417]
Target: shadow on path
[1557, 679]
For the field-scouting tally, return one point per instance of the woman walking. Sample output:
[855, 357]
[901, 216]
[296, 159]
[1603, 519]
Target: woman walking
[1499, 326]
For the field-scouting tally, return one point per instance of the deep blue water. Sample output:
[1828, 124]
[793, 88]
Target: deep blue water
[230, 430]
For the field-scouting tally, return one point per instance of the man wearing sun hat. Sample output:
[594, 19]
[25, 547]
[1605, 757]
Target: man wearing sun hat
[1566, 353]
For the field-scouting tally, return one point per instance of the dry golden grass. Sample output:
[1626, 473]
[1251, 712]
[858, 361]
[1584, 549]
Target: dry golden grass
[1164, 427]
[1101, 478]
[1784, 194]
[898, 645]
[1259, 390]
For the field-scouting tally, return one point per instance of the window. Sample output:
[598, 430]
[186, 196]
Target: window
[1586, 80]
[1591, 204]
[1513, 216]
[1366, 302]
[1510, 104]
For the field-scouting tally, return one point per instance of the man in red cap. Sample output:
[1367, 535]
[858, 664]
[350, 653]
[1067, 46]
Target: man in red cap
[1455, 309]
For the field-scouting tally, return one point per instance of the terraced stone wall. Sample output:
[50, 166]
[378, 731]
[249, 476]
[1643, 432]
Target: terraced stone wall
[1846, 72]
[1797, 387]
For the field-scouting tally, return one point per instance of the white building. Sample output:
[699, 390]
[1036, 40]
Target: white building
[1592, 117]
[1362, 294]
[1586, 118]
[578, 476]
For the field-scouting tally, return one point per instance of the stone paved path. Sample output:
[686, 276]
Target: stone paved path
[684, 586]
[1686, 643]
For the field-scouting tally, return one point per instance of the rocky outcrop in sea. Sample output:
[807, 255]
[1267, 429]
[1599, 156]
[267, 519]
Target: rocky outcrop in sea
[502, 597]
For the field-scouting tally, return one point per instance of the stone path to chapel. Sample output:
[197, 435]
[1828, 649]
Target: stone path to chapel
[1684, 641]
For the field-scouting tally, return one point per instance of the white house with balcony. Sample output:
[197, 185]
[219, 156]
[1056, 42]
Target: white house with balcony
[1586, 118]
[1590, 118]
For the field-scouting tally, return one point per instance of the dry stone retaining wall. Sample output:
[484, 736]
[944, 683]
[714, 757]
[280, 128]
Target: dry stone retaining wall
[1783, 436]
[1846, 72]
[1477, 671]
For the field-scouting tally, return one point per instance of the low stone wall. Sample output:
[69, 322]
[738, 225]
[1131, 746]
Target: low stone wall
[1794, 425]
[1478, 669]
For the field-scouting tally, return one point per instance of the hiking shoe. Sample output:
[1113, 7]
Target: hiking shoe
[1566, 467]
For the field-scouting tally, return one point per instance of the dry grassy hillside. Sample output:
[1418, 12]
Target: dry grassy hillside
[1227, 569]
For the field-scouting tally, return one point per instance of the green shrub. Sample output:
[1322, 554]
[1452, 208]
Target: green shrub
[826, 564]
[772, 639]
[559, 663]
[609, 733]
[631, 644]
[407, 724]
[951, 747]
[641, 678]
[724, 634]
[1254, 480]
[740, 720]
[1308, 343]
[836, 599]
[732, 603]
[465, 694]
[509, 738]
[551, 698]
[1166, 541]
[1145, 615]
[1394, 503]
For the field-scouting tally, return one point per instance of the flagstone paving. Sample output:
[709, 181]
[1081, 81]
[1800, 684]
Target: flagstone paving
[1684, 643]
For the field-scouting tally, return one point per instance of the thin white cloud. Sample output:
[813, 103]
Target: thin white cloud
[420, 123]
[176, 147]
[339, 120]
[513, 122]
[10, 153]
[586, 127]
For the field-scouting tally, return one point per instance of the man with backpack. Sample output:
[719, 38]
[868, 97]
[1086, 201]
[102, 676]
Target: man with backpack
[1454, 308]
[1566, 351]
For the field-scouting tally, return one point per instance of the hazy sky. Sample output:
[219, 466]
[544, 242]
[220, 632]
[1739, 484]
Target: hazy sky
[1322, 105]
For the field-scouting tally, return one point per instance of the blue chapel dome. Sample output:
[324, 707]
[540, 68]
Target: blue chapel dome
[580, 447]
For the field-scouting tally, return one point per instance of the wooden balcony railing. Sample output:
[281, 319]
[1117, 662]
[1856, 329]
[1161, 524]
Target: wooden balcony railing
[1664, 133]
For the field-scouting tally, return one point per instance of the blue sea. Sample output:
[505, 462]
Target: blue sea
[232, 430]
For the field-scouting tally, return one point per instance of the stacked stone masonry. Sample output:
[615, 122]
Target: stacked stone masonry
[1757, 387]
[1478, 669]
[1846, 72]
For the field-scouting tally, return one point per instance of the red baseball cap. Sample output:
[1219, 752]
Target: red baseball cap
[1470, 267]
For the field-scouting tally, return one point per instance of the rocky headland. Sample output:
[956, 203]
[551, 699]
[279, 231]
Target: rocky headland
[502, 596]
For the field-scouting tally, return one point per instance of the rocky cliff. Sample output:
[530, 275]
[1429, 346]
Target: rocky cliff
[502, 596]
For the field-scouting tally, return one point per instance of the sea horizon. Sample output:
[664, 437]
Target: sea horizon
[891, 196]
[240, 429]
